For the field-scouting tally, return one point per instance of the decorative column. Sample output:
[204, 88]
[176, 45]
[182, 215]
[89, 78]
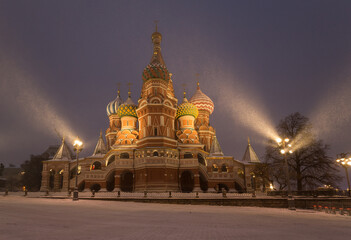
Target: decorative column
[197, 182]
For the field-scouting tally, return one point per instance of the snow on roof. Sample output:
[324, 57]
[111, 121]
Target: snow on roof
[250, 156]
[63, 153]
[216, 149]
[100, 148]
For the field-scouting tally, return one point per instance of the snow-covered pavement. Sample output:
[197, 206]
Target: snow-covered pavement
[34, 218]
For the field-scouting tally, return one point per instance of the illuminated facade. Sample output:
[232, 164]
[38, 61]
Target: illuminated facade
[156, 144]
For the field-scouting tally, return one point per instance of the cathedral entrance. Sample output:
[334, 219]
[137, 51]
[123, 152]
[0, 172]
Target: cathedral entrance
[187, 181]
[110, 181]
[127, 181]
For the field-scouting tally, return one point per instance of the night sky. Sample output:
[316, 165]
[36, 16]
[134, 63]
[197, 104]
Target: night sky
[61, 61]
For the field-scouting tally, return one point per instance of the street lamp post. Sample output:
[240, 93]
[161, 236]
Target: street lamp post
[285, 148]
[345, 163]
[78, 147]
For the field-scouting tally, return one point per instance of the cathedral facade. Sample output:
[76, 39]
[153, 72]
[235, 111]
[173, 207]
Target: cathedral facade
[155, 144]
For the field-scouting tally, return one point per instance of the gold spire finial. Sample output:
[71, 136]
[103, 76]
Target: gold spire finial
[100, 132]
[248, 140]
[129, 92]
[156, 22]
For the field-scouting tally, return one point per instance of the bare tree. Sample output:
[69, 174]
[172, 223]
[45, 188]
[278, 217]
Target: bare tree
[309, 164]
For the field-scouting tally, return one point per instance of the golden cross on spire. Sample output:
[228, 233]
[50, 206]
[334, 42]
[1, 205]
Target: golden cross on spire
[156, 22]
[129, 84]
[197, 75]
[184, 87]
[118, 87]
[248, 140]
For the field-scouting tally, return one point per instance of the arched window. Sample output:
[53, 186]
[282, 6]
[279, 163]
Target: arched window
[155, 154]
[96, 166]
[201, 159]
[241, 173]
[124, 155]
[188, 155]
[155, 131]
[214, 168]
[110, 160]
[224, 168]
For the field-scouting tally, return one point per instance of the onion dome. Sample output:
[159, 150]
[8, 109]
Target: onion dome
[113, 106]
[187, 108]
[202, 101]
[128, 108]
[157, 67]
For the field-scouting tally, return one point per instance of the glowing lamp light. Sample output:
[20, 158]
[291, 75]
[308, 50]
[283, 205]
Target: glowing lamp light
[78, 144]
[343, 163]
[279, 140]
[349, 163]
[286, 140]
[271, 186]
[337, 160]
[290, 151]
[289, 145]
[282, 151]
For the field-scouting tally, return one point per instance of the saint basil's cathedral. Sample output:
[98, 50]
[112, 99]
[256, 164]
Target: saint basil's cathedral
[156, 144]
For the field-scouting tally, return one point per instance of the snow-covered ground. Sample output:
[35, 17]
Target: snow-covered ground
[35, 218]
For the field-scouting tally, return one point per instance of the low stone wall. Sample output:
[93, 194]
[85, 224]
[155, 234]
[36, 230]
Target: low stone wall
[204, 199]
[301, 203]
[254, 202]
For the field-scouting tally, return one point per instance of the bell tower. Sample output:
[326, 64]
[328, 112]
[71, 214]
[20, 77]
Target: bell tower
[157, 106]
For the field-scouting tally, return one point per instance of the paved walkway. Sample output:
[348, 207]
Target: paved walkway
[36, 218]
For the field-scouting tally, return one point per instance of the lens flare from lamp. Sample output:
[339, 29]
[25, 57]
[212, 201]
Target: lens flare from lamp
[78, 144]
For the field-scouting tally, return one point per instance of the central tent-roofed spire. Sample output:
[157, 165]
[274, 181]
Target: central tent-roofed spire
[157, 68]
[157, 55]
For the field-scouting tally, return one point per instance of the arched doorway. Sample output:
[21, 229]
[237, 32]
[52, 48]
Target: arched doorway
[52, 179]
[60, 178]
[110, 181]
[203, 182]
[220, 187]
[127, 181]
[81, 186]
[238, 187]
[187, 181]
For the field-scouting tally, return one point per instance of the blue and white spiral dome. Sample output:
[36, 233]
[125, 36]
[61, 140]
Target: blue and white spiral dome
[113, 106]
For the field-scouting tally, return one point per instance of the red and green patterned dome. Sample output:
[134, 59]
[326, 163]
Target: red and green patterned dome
[187, 108]
[157, 67]
[128, 108]
[155, 70]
